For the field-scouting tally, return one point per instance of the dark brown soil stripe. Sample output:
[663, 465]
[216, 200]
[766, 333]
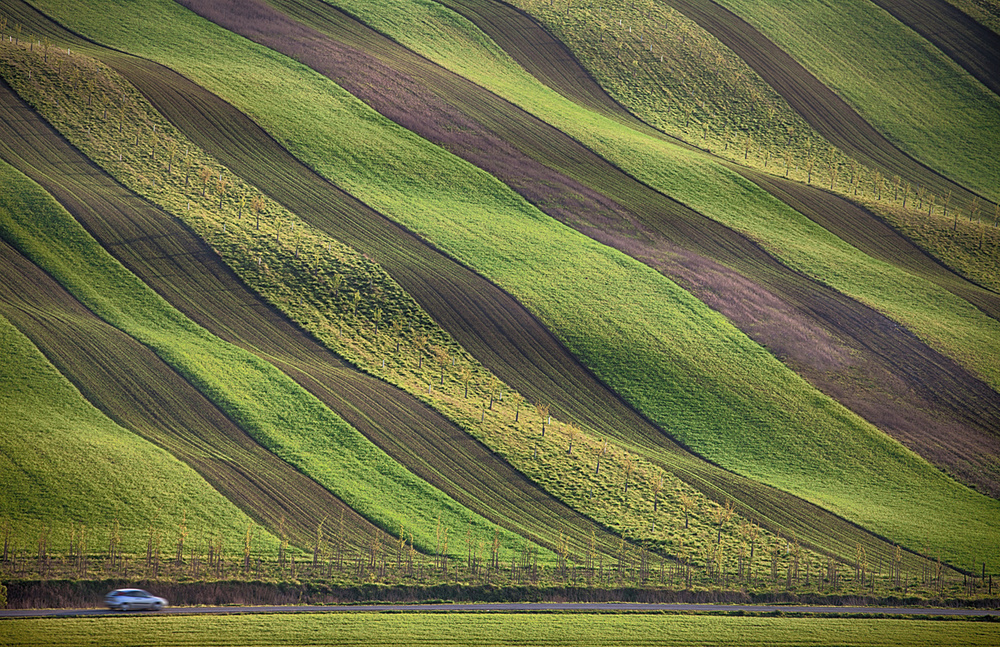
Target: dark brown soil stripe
[492, 134]
[965, 41]
[485, 320]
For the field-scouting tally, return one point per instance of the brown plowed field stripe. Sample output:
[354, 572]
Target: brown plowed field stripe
[182, 269]
[485, 320]
[133, 387]
[481, 128]
[965, 41]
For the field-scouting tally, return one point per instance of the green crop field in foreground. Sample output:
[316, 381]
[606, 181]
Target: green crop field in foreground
[69, 463]
[403, 629]
[682, 364]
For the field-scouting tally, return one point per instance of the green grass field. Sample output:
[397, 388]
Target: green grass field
[458, 208]
[491, 629]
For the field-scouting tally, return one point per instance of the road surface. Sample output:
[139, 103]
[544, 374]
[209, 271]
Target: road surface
[514, 607]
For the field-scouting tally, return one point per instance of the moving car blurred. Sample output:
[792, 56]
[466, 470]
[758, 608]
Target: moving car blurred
[128, 599]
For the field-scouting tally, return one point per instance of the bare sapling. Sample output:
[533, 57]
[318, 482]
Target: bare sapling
[600, 455]
[571, 433]
[543, 412]
[687, 504]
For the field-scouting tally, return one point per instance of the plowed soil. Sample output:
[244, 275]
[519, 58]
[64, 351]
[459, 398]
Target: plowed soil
[922, 398]
[486, 321]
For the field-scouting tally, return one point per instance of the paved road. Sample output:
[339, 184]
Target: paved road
[511, 607]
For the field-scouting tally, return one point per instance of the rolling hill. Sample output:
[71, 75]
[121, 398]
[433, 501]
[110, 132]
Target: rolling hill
[514, 271]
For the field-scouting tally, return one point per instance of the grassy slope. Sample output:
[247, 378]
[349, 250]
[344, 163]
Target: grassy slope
[944, 321]
[459, 208]
[67, 462]
[276, 411]
[924, 102]
[396, 630]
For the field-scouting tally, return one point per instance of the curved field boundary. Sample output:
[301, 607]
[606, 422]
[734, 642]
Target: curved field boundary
[240, 144]
[965, 41]
[914, 377]
[183, 269]
[133, 387]
[825, 111]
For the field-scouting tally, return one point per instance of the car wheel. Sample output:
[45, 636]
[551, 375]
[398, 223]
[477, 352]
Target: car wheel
[157, 606]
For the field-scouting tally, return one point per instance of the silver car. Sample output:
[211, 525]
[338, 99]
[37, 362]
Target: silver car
[128, 599]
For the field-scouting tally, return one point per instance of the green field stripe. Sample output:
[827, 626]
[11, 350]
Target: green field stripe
[64, 461]
[502, 630]
[294, 425]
